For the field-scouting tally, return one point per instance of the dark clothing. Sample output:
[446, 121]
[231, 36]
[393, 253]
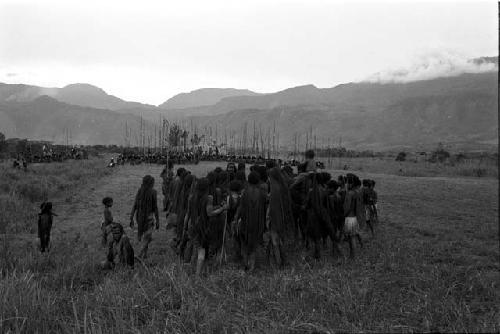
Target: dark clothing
[44, 227]
[318, 219]
[201, 225]
[253, 217]
[216, 225]
[280, 211]
[145, 206]
[336, 210]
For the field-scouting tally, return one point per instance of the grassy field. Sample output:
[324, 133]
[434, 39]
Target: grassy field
[486, 168]
[432, 266]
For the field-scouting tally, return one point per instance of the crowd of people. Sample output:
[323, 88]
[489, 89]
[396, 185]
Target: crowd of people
[229, 214]
[193, 157]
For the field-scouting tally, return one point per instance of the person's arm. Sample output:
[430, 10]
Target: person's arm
[211, 211]
[134, 209]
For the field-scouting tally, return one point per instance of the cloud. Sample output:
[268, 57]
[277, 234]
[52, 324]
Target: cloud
[434, 65]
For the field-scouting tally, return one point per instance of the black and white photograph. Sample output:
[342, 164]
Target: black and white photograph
[249, 166]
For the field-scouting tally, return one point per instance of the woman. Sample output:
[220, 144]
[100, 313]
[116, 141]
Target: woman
[145, 210]
[279, 214]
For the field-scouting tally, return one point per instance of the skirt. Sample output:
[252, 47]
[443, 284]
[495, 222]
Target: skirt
[351, 226]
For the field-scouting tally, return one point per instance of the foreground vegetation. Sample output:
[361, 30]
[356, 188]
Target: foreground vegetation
[432, 266]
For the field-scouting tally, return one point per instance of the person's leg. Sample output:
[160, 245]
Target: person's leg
[358, 236]
[276, 248]
[251, 261]
[200, 262]
[147, 237]
[351, 247]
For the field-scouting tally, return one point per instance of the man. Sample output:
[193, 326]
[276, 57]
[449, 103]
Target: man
[167, 176]
[145, 210]
[250, 220]
[351, 209]
[310, 162]
[279, 215]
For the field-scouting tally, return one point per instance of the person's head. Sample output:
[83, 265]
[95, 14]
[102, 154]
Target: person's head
[217, 170]
[309, 154]
[253, 178]
[180, 172]
[222, 178]
[241, 166]
[270, 164]
[46, 207]
[372, 184]
[341, 180]
[230, 168]
[357, 182]
[188, 181]
[350, 180]
[288, 170]
[170, 164]
[148, 181]
[202, 186]
[262, 170]
[332, 186]
[366, 183]
[211, 178]
[107, 201]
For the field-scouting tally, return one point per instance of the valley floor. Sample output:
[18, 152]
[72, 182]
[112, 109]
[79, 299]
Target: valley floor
[433, 265]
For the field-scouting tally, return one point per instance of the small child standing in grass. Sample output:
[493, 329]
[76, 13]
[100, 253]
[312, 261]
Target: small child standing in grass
[45, 219]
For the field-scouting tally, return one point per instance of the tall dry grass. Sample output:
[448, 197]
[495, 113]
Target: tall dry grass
[433, 266]
[487, 168]
[21, 192]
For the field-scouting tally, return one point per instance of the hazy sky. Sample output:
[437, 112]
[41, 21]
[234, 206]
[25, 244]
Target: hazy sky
[148, 51]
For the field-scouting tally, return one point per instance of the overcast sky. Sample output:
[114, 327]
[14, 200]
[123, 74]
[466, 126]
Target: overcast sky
[148, 51]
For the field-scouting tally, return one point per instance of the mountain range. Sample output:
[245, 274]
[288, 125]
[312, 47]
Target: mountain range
[461, 110]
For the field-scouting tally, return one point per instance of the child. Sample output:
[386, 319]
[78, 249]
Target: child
[114, 236]
[45, 225]
[118, 242]
[351, 210]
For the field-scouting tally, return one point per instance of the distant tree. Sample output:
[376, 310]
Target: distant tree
[184, 135]
[439, 154]
[401, 156]
[174, 135]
